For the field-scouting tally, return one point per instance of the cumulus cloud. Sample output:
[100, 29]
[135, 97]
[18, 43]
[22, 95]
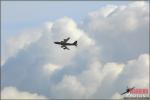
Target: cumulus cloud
[41, 59]
[138, 4]
[138, 71]
[13, 93]
[104, 11]
[50, 68]
[112, 53]
[117, 96]
[2, 61]
[127, 24]
[69, 87]
[14, 44]
[104, 81]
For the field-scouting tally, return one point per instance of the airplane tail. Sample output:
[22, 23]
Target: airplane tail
[75, 43]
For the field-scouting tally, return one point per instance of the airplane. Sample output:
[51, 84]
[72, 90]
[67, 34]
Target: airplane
[128, 90]
[64, 43]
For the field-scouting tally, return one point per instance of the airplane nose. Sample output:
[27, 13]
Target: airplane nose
[56, 42]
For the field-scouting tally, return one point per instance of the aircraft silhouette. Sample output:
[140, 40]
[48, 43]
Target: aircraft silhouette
[64, 43]
[128, 90]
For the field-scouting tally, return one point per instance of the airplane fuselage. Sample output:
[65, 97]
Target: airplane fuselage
[128, 90]
[61, 43]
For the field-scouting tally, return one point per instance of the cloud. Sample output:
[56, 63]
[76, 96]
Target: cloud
[104, 11]
[42, 59]
[122, 35]
[14, 44]
[50, 68]
[69, 87]
[117, 96]
[13, 93]
[2, 62]
[138, 4]
[138, 72]
[104, 81]
[112, 53]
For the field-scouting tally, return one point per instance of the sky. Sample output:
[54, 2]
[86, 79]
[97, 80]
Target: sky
[14, 14]
[112, 51]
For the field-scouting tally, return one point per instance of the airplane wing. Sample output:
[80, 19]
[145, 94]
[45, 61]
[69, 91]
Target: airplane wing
[132, 88]
[65, 47]
[124, 93]
[65, 40]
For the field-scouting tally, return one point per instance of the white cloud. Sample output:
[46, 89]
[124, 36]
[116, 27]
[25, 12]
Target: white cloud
[138, 4]
[117, 96]
[50, 68]
[42, 59]
[13, 93]
[14, 44]
[113, 69]
[2, 62]
[104, 11]
[138, 71]
[105, 81]
[124, 34]
[69, 87]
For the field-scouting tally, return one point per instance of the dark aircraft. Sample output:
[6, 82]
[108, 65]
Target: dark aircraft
[64, 43]
[128, 90]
